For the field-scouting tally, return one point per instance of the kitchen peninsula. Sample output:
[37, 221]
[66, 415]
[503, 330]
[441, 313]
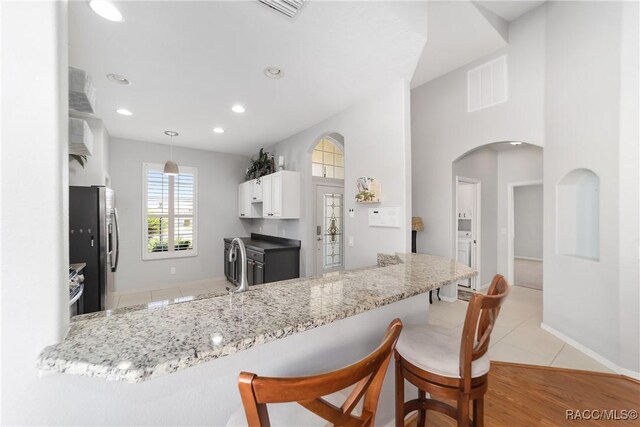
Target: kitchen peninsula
[272, 329]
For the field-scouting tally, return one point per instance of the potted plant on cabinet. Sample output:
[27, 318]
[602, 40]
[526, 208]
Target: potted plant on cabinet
[261, 166]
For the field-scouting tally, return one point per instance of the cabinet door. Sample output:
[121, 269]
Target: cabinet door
[258, 274]
[250, 271]
[241, 211]
[276, 195]
[266, 196]
[256, 190]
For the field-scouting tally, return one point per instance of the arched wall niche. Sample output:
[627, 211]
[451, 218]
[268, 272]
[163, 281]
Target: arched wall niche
[578, 215]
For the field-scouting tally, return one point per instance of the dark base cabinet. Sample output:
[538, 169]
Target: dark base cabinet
[269, 259]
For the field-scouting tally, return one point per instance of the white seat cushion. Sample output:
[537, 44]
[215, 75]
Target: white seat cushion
[436, 349]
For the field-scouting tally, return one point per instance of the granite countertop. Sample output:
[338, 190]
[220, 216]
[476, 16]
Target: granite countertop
[139, 344]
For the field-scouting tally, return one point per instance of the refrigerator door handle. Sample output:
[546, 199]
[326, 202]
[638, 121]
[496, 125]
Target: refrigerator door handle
[114, 265]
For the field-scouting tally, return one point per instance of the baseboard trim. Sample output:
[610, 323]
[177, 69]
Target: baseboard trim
[592, 354]
[169, 286]
[526, 258]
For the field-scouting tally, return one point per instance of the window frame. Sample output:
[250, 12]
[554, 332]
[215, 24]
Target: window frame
[337, 150]
[171, 253]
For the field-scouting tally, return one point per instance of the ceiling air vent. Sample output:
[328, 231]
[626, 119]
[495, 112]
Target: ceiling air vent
[286, 7]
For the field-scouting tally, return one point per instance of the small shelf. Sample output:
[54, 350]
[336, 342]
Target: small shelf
[368, 203]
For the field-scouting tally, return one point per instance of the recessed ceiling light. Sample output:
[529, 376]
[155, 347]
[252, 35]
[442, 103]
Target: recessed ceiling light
[124, 112]
[273, 72]
[117, 78]
[218, 130]
[516, 143]
[106, 9]
[238, 109]
[171, 133]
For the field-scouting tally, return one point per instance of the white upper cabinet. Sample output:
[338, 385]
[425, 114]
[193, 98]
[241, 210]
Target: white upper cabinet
[247, 209]
[281, 195]
[256, 191]
[274, 196]
[465, 201]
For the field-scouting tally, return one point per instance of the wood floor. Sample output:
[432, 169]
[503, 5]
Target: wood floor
[537, 396]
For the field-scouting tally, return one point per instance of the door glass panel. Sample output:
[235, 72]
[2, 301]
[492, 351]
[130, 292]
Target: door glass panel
[333, 229]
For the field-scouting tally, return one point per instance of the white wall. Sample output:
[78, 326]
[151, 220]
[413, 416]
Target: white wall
[217, 198]
[566, 89]
[34, 303]
[483, 165]
[376, 144]
[443, 130]
[517, 165]
[629, 191]
[96, 168]
[527, 203]
[582, 125]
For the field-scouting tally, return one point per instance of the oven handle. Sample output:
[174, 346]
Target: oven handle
[78, 295]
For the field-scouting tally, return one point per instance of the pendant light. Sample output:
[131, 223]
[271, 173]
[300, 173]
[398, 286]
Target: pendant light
[171, 167]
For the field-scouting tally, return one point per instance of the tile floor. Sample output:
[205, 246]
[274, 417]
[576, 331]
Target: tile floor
[127, 300]
[517, 336]
[528, 273]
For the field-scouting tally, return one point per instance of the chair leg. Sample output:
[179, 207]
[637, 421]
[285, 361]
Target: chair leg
[422, 413]
[463, 410]
[399, 395]
[478, 412]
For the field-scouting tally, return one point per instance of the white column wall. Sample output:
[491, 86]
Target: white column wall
[34, 303]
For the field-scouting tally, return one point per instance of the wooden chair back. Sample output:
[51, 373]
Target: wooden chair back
[367, 374]
[479, 322]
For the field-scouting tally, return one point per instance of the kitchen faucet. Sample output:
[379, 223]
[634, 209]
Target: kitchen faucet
[243, 285]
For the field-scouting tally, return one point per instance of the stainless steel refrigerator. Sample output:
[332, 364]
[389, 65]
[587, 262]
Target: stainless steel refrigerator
[94, 239]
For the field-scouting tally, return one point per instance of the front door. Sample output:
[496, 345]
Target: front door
[329, 229]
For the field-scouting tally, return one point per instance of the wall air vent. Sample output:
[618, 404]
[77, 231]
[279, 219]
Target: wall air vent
[487, 84]
[289, 8]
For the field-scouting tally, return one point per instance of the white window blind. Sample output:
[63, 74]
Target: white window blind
[169, 220]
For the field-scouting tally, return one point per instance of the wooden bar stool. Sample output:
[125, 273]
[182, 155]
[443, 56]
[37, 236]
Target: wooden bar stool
[367, 375]
[447, 367]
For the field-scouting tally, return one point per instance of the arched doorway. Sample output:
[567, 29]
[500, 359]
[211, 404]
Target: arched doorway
[327, 169]
[497, 209]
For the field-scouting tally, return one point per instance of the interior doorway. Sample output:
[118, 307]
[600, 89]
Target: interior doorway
[327, 170]
[467, 221]
[525, 234]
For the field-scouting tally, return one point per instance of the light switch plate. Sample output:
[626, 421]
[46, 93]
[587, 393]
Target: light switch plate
[351, 243]
[352, 213]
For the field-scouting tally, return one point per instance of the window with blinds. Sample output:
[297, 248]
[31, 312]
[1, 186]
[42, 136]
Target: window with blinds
[169, 213]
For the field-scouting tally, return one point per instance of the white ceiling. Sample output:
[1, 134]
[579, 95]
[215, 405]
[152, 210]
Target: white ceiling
[510, 10]
[458, 33]
[189, 62]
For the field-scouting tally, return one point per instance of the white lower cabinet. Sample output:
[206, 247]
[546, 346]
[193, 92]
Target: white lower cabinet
[281, 195]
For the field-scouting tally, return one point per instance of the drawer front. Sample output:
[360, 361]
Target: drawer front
[255, 255]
